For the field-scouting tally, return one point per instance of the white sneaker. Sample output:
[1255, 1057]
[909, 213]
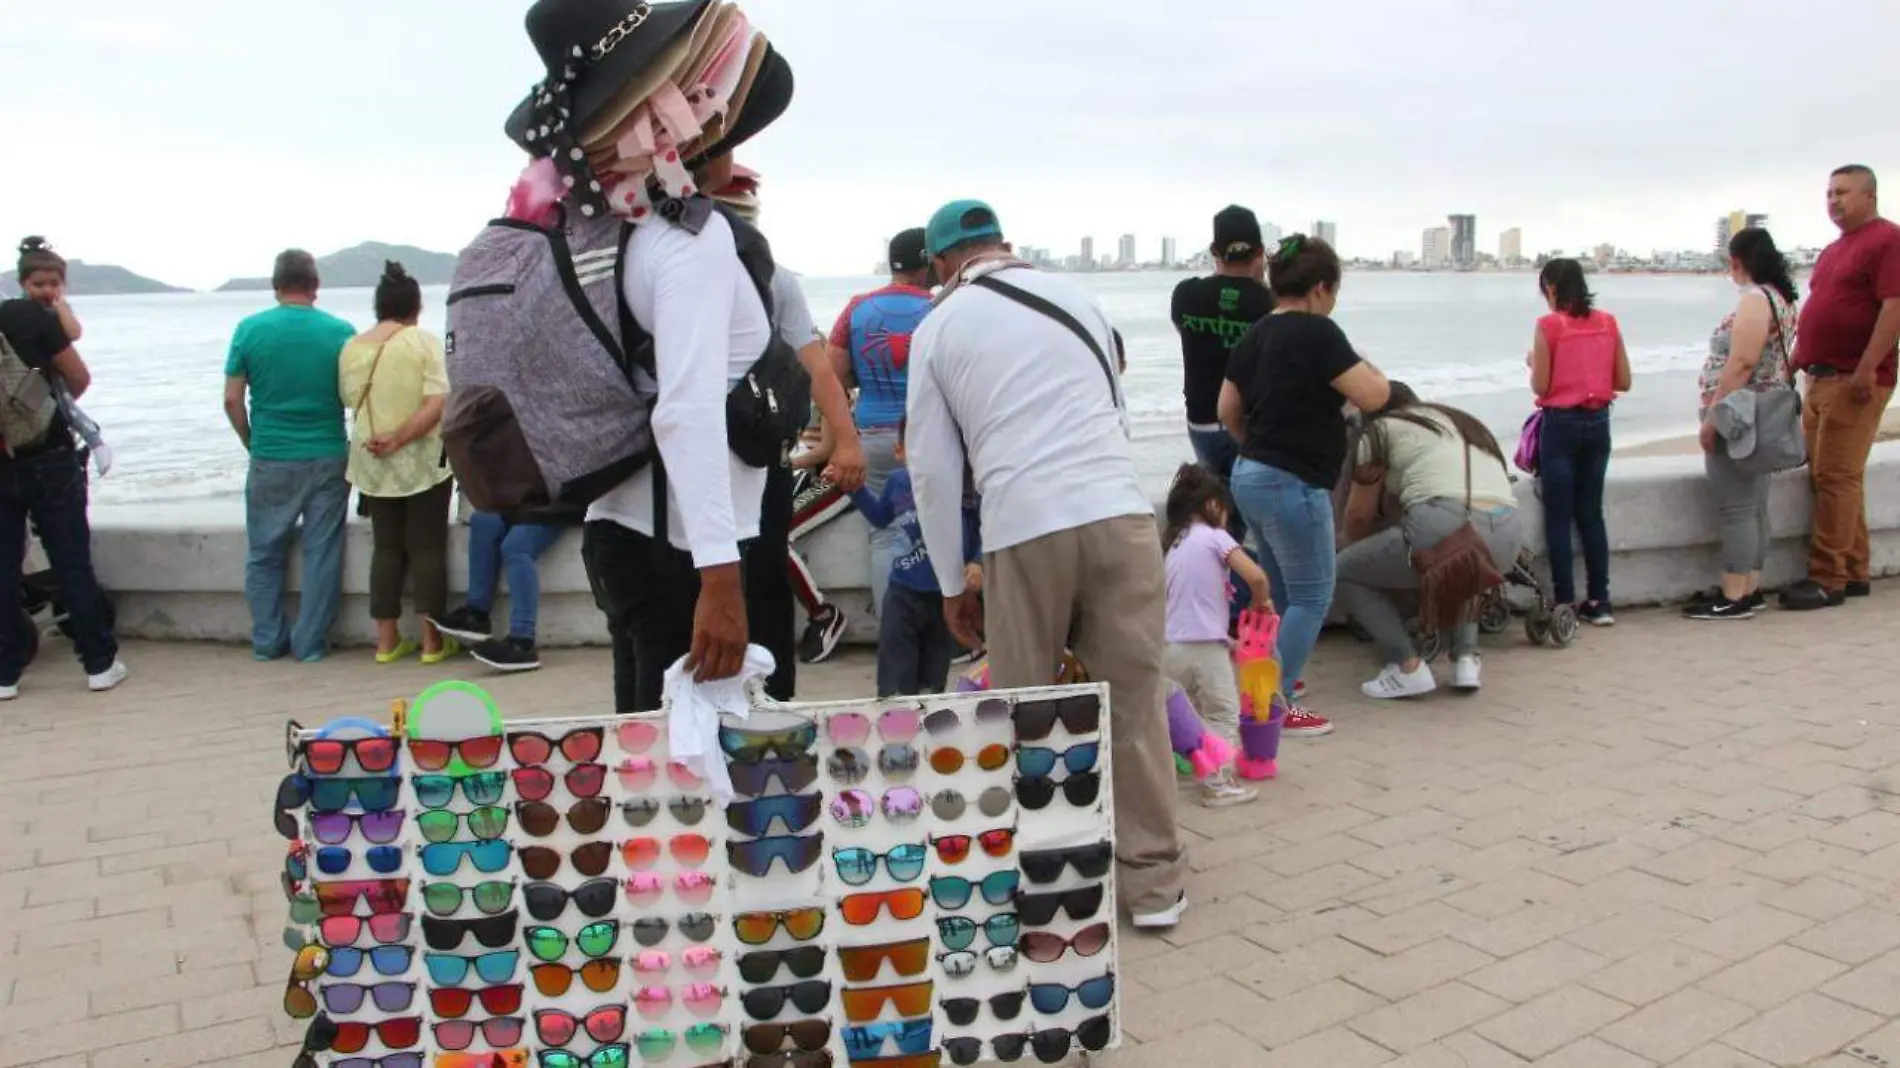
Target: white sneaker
[1168, 917]
[8, 693]
[1222, 791]
[1465, 672]
[108, 678]
[1393, 683]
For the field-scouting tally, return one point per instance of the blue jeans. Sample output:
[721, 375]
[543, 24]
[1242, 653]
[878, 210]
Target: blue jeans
[1293, 522]
[887, 545]
[494, 546]
[278, 495]
[1216, 450]
[50, 488]
[1574, 457]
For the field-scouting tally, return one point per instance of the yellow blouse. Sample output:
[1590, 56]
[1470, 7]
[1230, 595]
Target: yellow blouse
[383, 386]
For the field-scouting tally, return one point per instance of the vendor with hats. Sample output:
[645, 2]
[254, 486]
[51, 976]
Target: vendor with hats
[1013, 374]
[636, 96]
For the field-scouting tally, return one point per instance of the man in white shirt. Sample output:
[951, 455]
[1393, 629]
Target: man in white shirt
[1015, 395]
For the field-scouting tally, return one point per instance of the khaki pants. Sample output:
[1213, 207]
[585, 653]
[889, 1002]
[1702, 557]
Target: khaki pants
[1205, 672]
[1100, 590]
[1840, 436]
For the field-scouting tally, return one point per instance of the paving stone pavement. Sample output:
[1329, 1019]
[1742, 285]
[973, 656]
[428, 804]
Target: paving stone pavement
[1674, 844]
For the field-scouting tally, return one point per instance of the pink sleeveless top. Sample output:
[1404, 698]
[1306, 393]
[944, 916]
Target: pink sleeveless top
[1582, 360]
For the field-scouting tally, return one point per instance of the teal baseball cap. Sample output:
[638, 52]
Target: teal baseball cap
[960, 221]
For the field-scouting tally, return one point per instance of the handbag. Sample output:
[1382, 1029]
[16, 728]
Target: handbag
[1780, 443]
[1530, 443]
[362, 401]
[1456, 573]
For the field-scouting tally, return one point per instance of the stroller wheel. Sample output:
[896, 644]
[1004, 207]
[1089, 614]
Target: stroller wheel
[1537, 628]
[1494, 615]
[1430, 643]
[1563, 626]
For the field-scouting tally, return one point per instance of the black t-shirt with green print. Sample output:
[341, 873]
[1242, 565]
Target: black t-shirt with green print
[1212, 315]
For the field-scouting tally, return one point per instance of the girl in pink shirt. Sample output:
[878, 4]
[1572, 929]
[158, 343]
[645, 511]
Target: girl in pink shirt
[1578, 366]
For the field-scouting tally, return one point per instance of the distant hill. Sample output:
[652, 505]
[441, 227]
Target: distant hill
[363, 265]
[97, 280]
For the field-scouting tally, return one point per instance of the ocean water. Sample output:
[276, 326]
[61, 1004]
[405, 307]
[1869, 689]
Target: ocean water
[158, 362]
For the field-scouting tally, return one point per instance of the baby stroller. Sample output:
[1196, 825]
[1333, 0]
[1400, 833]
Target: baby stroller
[1522, 593]
[43, 608]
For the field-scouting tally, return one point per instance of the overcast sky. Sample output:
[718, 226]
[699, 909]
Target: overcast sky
[192, 139]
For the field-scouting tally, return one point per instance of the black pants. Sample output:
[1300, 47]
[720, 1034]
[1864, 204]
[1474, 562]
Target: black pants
[51, 489]
[914, 644]
[411, 541]
[768, 585]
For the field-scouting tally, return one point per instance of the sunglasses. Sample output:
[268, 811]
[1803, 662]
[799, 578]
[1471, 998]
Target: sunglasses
[1080, 790]
[794, 776]
[808, 1035]
[990, 712]
[1045, 865]
[765, 1002]
[847, 729]
[948, 760]
[554, 980]
[961, 963]
[613, 1055]
[445, 858]
[699, 960]
[557, 1028]
[596, 940]
[757, 928]
[1081, 714]
[351, 1037]
[511, 1058]
[325, 756]
[865, 1004]
[344, 998]
[1038, 762]
[949, 805]
[638, 774]
[862, 963]
[755, 857]
[484, 824]
[868, 1041]
[955, 848]
[959, 932]
[546, 901]
[657, 1045]
[1046, 948]
[585, 816]
[643, 810]
[496, 1031]
[293, 793]
[692, 850]
[755, 818]
[489, 898]
[854, 808]
[493, 969]
[637, 736]
[962, 1012]
[374, 794]
[434, 755]
[382, 895]
[1051, 1045]
[696, 926]
[480, 788]
[750, 747]
[493, 932]
[644, 890]
[762, 966]
[379, 828]
[383, 860]
[857, 866]
[299, 1003]
[810, 1059]
[1039, 910]
[954, 891]
[346, 961]
[580, 746]
[452, 1004]
[861, 910]
[394, 1060]
[385, 928]
[1051, 998]
[590, 860]
[850, 767]
[581, 780]
[701, 999]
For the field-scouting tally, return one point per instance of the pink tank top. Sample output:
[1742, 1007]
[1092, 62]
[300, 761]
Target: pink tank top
[1582, 360]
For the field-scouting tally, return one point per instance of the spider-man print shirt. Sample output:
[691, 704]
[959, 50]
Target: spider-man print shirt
[875, 328]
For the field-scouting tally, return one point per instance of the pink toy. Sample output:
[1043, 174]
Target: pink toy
[1262, 707]
[1205, 751]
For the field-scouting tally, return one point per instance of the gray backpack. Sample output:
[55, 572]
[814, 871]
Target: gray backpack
[27, 403]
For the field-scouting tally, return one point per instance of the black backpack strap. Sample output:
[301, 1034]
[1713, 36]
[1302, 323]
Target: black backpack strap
[1038, 304]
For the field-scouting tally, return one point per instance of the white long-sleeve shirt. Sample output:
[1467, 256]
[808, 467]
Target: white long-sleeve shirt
[1027, 403]
[693, 295]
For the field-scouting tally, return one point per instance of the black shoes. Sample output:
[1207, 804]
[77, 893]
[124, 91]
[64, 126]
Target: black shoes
[507, 654]
[822, 635]
[1859, 589]
[1596, 613]
[1720, 608]
[1809, 596]
[470, 625]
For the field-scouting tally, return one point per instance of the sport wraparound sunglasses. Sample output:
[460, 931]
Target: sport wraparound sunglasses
[866, 1004]
[861, 910]
[793, 775]
[755, 818]
[751, 746]
[863, 963]
[479, 788]
[756, 856]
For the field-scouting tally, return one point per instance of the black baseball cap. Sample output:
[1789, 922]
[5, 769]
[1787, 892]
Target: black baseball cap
[1236, 234]
[908, 252]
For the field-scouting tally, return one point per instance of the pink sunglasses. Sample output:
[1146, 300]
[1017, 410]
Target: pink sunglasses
[636, 738]
[854, 728]
[699, 960]
[638, 775]
[701, 999]
[645, 890]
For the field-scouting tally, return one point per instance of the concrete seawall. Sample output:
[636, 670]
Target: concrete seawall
[178, 581]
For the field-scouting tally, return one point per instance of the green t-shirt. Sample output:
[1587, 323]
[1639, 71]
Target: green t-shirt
[289, 355]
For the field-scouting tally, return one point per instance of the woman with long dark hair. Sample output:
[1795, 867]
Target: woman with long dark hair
[1578, 366]
[1447, 470]
[1753, 350]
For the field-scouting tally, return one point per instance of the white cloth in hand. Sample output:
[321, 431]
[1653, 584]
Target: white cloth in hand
[693, 711]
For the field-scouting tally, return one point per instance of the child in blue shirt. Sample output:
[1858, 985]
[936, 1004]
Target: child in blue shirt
[914, 644]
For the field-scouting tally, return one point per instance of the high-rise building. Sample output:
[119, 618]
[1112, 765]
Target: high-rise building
[1435, 248]
[1404, 259]
[1757, 222]
[1126, 253]
[1088, 254]
[1511, 247]
[1464, 240]
[1168, 257]
[1731, 224]
[1327, 232]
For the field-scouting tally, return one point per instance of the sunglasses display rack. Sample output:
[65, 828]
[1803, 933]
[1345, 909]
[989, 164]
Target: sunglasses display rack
[899, 884]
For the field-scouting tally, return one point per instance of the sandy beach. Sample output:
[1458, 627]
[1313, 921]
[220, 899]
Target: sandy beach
[1687, 445]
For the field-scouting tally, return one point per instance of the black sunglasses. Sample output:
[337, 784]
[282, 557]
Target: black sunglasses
[1037, 792]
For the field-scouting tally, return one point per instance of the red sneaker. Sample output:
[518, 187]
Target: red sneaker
[1303, 724]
